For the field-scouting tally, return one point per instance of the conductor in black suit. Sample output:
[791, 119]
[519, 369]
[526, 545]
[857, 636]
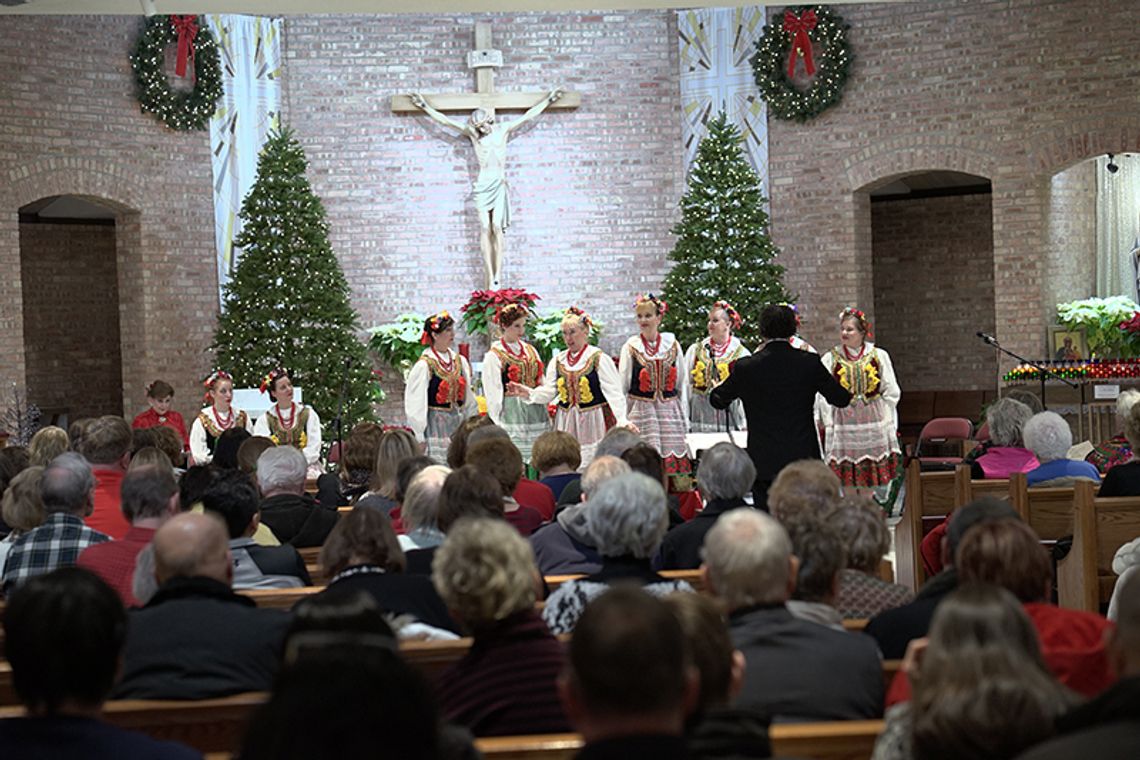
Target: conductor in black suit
[777, 386]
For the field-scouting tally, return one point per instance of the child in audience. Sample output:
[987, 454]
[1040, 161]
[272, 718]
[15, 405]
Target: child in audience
[159, 395]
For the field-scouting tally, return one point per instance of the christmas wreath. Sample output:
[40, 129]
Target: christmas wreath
[187, 110]
[811, 33]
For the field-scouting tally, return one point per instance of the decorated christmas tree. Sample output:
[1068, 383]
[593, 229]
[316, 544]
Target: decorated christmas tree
[723, 251]
[287, 303]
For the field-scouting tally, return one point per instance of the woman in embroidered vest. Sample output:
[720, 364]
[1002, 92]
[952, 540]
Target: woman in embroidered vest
[709, 362]
[585, 383]
[287, 424]
[439, 394]
[861, 440]
[653, 370]
[216, 418]
[512, 359]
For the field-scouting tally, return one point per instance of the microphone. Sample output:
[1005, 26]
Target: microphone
[991, 340]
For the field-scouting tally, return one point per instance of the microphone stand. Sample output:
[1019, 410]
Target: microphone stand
[1042, 369]
[338, 421]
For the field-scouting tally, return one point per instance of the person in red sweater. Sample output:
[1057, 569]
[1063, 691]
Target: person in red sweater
[159, 395]
[501, 459]
[150, 498]
[106, 445]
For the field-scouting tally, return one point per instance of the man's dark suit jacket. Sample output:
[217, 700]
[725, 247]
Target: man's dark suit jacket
[777, 387]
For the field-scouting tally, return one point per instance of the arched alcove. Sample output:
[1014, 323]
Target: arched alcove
[70, 287]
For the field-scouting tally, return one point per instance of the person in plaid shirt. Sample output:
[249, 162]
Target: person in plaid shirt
[67, 489]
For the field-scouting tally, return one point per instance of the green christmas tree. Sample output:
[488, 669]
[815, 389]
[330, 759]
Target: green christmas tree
[287, 303]
[723, 251]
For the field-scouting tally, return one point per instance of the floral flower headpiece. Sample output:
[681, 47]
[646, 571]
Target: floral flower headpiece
[393, 428]
[658, 303]
[857, 314]
[795, 310]
[150, 388]
[274, 375]
[580, 315]
[208, 383]
[435, 324]
[733, 314]
[505, 315]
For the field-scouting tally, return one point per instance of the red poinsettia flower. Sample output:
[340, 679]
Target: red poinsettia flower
[442, 392]
[644, 382]
[513, 373]
[1132, 325]
[671, 380]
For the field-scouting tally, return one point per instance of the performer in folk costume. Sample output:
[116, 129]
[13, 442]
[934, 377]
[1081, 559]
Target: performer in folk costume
[439, 394]
[159, 394]
[512, 359]
[861, 440]
[584, 383]
[286, 423]
[653, 371]
[709, 362]
[216, 418]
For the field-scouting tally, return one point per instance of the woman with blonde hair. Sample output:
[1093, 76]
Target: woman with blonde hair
[21, 507]
[395, 445]
[48, 443]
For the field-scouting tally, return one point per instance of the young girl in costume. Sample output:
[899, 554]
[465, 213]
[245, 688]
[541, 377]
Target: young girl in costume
[512, 359]
[861, 440]
[439, 394]
[286, 423]
[710, 361]
[585, 383]
[216, 418]
[653, 370]
[159, 395]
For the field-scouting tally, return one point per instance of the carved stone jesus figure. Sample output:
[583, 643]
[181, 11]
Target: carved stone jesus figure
[492, 200]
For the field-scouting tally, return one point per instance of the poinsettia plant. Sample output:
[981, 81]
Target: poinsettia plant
[1110, 324]
[479, 311]
[397, 343]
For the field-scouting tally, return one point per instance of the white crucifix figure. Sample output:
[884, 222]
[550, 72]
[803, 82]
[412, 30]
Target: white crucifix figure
[489, 139]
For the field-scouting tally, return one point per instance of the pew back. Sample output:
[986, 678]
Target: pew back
[1049, 511]
[929, 497]
[1100, 527]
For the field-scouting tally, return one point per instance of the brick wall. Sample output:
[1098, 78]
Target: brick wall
[933, 87]
[934, 289]
[594, 191]
[70, 284]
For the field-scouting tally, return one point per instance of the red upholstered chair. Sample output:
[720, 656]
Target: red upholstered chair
[942, 431]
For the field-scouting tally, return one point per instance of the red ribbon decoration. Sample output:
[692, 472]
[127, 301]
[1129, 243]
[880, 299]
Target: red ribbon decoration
[187, 28]
[798, 27]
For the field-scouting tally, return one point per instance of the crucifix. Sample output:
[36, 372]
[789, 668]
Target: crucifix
[489, 139]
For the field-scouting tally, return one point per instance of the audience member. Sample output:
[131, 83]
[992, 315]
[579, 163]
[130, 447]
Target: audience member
[294, 516]
[1007, 553]
[149, 498]
[395, 445]
[457, 447]
[405, 473]
[724, 475]
[234, 499]
[807, 487]
[150, 456]
[863, 530]
[1108, 726]
[645, 459]
[715, 729]
[565, 545]
[357, 457]
[420, 509]
[13, 461]
[63, 636]
[629, 683]
[1049, 437]
[1123, 479]
[250, 451]
[614, 443]
[895, 628]
[627, 519]
[981, 688]
[506, 684]
[1005, 452]
[557, 457]
[821, 555]
[797, 670]
[362, 554]
[48, 443]
[106, 445]
[502, 460]
[226, 449]
[167, 441]
[22, 508]
[526, 492]
[196, 638]
[1119, 448]
[76, 431]
[67, 490]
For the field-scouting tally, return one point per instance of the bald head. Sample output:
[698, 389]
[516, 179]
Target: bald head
[192, 545]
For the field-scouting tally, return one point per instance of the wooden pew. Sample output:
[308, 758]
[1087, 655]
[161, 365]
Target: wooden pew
[967, 489]
[929, 498]
[1085, 579]
[1049, 511]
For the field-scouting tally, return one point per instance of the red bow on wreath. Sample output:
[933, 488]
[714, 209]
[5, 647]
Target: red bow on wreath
[798, 27]
[187, 28]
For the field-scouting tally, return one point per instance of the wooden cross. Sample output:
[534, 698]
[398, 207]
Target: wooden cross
[484, 60]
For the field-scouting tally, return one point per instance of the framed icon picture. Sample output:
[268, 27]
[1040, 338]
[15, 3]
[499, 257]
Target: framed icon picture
[1067, 345]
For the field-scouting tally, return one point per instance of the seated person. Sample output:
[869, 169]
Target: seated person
[502, 460]
[467, 492]
[797, 670]
[1049, 437]
[1005, 454]
[354, 467]
[419, 509]
[806, 487]
[234, 498]
[196, 638]
[863, 530]
[505, 685]
[1124, 478]
[526, 492]
[63, 634]
[294, 516]
[1117, 449]
[821, 554]
[557, 457]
